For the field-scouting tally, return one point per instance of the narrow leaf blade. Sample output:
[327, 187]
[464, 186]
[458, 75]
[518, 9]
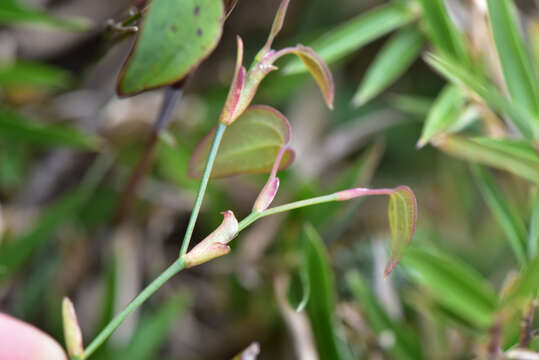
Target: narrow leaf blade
[390, 63]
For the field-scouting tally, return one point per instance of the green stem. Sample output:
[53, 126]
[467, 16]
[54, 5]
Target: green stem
[172, 270]
[286, 207]
[202, 189]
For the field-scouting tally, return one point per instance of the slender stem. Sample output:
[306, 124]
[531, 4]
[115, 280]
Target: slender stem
[286, 207]
[172, 270]
[202, 189]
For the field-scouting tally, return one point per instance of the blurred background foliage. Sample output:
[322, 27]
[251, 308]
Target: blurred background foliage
[407, 73]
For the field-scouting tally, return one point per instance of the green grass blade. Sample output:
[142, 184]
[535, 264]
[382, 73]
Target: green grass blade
[515, 156]
[444, 112]
[407, 346]
[533, 231]
[15, 127]
[442, 32]
[354, 34]
[517, 67]
[25, 73]
[390, 63]
[485, 90]
[453, 284]
[511, 223]
[321, 305]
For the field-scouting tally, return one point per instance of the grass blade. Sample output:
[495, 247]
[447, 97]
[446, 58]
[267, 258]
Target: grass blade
[516, 64]
[511, 223]
[390, 63]
[356, 33]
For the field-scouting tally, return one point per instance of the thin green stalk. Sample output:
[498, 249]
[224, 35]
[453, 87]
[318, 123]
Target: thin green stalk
[286, 207]
[172, 270]
[202, 189]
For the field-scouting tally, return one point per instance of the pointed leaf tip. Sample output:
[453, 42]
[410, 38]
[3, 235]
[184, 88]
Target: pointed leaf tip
[230, 110]
[72, 332]
[277, 25]
[319, 70]
[402, 213]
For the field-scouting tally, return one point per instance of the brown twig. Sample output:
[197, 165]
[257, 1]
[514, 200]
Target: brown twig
[526, 331]
[172, 94]
[494, 345]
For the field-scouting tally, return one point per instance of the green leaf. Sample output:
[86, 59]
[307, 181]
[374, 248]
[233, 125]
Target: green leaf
[515, 156]
[12, 12]
[390, 63]
[249, 145]
[441, 30]
[153, 329]
[453, 284]
[402, 212]
[24, 73]
[517, 67]
[356, 33]
[321, 306]
[406, 346]
[485, 90]
[444, 113]
[509, 220]
[14, 253]
[16, 127]
[527, 285]
[411, 104]
[533, 232]
[175, 37]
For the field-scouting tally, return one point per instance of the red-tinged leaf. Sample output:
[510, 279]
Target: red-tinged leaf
[249, 145]
[277, 25]
[22, 341]
[230, 109]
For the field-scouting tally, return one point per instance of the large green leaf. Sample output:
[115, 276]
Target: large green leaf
[509, 220]
[16, 127]
[444, 112]
[441, 30]
[390, 63]
[249, 145]
[321, 305]
[459, 75]
[356, 33]
[32, 74]
[406, 345]
[515, 156]
[175, 37]
[12, 12]
[453, 284]
[517, 67]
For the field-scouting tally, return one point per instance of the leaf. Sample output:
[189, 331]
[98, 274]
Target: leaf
[444, 112]
[516, 64]
[515, 156]
[411, 104]
[441, 30]
[533, 232]
[485, 90]
[16, 127]
[406, 345]
[390, 63]
[25, 73]
[12, 12]
[175, 37]
[250, 353]
[402, 212]
[249, 145]
[527, 285]
[509, 220]
[22, 341]
[356, 33]
[453, 284]
[153, 329]
[319, 70]
[321, 306]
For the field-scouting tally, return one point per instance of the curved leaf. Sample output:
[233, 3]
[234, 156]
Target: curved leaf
[249, 145]
[390, 63]
[175, 37]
